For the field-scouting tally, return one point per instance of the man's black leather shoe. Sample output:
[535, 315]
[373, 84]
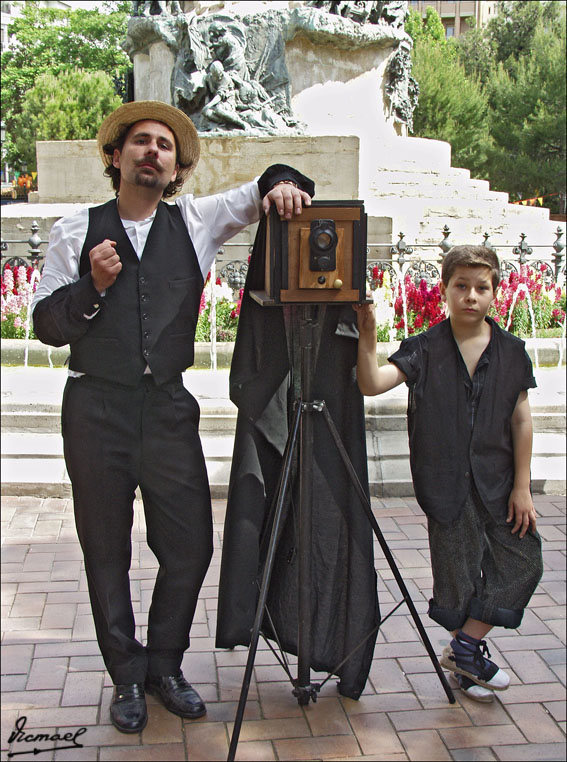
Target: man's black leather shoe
[128, 711]
[177, 695]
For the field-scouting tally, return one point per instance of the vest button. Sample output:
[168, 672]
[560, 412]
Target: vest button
[146, 352]
[142, 280]
[145, 316]
[467, 474]
[146, 334]
[144, 297]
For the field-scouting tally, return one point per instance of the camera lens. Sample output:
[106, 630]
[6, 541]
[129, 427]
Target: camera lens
[323, 241]
[323, 244]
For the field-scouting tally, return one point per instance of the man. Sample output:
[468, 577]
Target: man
[122, 285]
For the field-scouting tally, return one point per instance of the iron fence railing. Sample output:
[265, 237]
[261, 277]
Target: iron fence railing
[401, 259]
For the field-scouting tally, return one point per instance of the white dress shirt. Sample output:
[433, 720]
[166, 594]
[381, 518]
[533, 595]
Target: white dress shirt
[210, 221]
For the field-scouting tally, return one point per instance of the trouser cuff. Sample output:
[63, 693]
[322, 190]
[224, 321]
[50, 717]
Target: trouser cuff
[494, 615]
[447, 618]
[452, 619]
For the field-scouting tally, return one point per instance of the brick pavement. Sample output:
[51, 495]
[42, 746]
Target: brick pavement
[53, 675]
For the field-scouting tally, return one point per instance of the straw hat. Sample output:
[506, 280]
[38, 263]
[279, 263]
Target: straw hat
[137, 111]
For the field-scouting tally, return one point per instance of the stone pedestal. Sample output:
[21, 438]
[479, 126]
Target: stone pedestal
[152, 74]
[72, 171]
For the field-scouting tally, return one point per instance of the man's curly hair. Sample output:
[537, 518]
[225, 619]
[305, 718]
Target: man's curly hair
[114, 173]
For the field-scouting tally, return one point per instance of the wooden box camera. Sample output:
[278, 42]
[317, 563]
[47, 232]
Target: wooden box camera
[316, 257]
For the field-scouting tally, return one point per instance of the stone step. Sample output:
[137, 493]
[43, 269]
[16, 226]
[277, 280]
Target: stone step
[32, 464]
[381, 443]
[444, 193]
[387, 417]
[32, 460]
[435, 187]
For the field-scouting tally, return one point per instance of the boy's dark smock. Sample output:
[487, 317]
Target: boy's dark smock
[462, 461]
[447, 455]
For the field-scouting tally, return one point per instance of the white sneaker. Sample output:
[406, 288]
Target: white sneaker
[474, 691]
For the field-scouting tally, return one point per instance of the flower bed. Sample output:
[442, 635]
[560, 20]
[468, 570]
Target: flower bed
[423, 306]
[18, 287]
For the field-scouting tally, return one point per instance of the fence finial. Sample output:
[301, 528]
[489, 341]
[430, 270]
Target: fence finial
[445, 244]
[558, 247]
[34, 242]
[522, 251]
[401, 249]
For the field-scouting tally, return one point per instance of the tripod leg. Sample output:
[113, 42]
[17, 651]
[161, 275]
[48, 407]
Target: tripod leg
[387, 553]
[270, 557]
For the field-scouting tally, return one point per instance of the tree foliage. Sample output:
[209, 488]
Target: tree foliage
[451, 106]
[527, 105]
[497, 94]
[429, 28]
[51, 40]
[67, 106]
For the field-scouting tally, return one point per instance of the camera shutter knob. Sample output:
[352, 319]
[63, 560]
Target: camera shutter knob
[338, 283]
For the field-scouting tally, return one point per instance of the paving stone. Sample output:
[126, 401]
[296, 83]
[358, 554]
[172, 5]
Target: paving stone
[540, 692]
[480, 754]
[530, 667]
[59, 615]
[556, 709]
[384, 702]
[553, 656]
[423, 719]
[496, 735]
[141, 754]
[82, 689]
[536, 723]
[340, 747]
[327, 718]
[375, 733]
[399, 716]
[424, 745]
[532, 752]
[207, 741]
[16, 659]
[387, 677]
[277, 701]
[48, 673]
[257, 730]
[225, 711]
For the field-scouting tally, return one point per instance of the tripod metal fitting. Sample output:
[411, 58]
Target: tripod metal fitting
[306, 693]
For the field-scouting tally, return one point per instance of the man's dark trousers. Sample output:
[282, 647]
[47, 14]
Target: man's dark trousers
[115, 439]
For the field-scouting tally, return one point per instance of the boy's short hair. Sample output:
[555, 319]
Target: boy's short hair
[471, 256]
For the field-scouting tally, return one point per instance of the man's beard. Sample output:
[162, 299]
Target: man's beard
[149, 180]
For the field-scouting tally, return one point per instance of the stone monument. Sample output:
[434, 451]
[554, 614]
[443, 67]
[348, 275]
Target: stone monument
[260, 68]
[323, 85]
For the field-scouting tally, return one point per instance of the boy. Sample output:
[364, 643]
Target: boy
[470, 438]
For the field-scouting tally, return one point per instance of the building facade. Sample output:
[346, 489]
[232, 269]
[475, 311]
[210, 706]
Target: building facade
[458, 15]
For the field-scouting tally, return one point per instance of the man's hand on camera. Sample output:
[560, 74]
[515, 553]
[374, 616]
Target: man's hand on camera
[288, 199]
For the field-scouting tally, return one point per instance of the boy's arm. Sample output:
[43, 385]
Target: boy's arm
[520, 504]
[371, 378]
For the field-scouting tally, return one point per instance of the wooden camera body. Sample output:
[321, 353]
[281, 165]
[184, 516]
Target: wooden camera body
[318, 256]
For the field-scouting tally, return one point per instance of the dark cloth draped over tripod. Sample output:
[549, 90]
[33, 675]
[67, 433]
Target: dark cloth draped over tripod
[343, 583]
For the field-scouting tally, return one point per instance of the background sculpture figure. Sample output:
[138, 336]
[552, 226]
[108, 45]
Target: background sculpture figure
[251, 47]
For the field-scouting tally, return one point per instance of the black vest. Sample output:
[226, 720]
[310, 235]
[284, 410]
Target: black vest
[445, 456]
[149, 315]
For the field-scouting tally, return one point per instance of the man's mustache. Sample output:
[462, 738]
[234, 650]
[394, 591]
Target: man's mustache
[149, 162]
